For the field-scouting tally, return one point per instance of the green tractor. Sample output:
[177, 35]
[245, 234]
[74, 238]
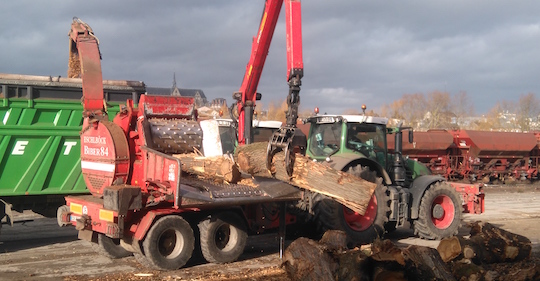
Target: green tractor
[406, 191]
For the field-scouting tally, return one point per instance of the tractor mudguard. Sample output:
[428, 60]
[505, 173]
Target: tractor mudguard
[417, 190]
[342, 161]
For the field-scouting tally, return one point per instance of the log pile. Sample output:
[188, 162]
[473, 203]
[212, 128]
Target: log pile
[473, 257]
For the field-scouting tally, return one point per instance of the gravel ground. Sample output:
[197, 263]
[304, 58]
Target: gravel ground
[40, 250]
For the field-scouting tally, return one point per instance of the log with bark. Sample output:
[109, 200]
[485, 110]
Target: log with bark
[306, 259]
[486, 244]
[328, 259]
[347, 189]
[216, 168]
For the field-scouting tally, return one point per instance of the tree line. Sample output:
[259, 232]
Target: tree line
[439, 110]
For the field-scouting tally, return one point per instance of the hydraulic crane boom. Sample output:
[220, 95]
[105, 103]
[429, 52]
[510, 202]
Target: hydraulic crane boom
[247, 95]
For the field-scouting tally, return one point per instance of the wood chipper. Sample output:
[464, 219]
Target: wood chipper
[141, 201]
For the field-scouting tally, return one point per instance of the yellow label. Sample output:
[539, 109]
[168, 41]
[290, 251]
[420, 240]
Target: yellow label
[75, 208]
[106, 215]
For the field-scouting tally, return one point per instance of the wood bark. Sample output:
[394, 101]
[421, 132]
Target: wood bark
[349, 190]
[487, 244]
[328, 259]
[424, 263]
[220, 168]
[306, 259]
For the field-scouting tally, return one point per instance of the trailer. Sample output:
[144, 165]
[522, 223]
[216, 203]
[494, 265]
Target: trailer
[469, 155]
[40, 121]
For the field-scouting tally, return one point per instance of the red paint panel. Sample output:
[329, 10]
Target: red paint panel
[494, 144]
[177, 107]
[431, 142]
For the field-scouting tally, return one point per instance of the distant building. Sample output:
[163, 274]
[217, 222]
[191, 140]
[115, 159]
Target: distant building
[217, 103]
[198, 94]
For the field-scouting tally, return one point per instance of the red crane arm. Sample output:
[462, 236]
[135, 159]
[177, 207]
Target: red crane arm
[247, 94]
[84, 49]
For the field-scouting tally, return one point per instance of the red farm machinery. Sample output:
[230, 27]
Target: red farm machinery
[471, 156]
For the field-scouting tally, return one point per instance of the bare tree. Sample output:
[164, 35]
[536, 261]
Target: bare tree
[438, 104]
[527, 111]
[462, 107]
[411, 108]
[277, 112]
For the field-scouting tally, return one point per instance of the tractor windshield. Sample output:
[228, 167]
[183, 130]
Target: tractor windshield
[228, 139]
[368, 139]
[325, 139]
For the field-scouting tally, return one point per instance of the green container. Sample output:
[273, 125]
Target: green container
[40, 121]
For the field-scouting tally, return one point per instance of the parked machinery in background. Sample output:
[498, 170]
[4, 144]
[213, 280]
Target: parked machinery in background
[477, 156]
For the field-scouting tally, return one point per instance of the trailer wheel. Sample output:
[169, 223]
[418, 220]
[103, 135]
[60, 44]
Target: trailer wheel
[223, 237]
[169, 243]
[110, 247]
[439, 215]
[360, 229]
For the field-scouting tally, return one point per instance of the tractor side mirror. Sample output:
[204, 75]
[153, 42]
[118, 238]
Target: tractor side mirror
[411, 136]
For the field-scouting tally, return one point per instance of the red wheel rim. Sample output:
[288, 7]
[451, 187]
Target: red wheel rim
[442, 203]
[358, 222]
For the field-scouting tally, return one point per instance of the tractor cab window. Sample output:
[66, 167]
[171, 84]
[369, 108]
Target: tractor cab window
[262, 134]
[368, 139]
[325, 138]
[228, 139]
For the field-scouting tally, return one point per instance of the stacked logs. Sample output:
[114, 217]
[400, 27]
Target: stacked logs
[346, 189]
[488, 253]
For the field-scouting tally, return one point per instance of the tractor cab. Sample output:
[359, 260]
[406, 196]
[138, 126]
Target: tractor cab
[357, 135]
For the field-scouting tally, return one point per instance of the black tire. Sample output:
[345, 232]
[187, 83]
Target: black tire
[110, 247]
[169, 243]
[439, 215]
[223, 237]
[330, 214]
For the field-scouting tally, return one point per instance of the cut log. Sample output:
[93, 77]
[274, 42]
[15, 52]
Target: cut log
[306, 259]
[423, 263]
[351, 191]
[487, 244]
[219, 167]
[498, 244]
[385, 250]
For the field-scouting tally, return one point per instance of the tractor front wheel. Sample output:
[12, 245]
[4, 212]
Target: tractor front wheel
[439, 215]
[360, 229]
[169, 243]
[223, 237]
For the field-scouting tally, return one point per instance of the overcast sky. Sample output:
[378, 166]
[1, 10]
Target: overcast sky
[355, 52]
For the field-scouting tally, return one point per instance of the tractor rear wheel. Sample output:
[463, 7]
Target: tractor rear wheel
[360, 229]
[110, 247]
[439, 215]
[223, 237]
[169, 243]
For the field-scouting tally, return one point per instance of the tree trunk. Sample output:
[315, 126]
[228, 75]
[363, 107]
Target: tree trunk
[306, 259]
[346, 189]
[326, 259]
[423, 263]
[487, 244]
[221, 167]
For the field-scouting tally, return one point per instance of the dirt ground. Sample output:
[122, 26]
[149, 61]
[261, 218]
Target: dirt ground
[40, 250]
